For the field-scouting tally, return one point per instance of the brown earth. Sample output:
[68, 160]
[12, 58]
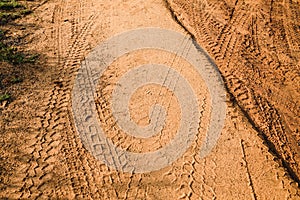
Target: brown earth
[256, 45]
[42, 156]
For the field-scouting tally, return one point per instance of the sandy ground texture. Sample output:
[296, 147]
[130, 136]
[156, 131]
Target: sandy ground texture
[256, 46]
[43, 157]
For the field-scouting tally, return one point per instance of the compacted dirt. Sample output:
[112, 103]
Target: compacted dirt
[256, 48]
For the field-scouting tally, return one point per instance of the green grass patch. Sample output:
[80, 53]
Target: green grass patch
[15, 57]
[11, 10]
[9, 53]
[4, 97]
[16, 80]
[9, 5]
[6, 17]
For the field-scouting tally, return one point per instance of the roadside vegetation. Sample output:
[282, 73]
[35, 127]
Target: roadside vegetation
[10, 55]
[10, 10]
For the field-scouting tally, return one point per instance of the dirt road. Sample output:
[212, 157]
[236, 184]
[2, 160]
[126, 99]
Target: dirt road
[256, 46]
[43, 155]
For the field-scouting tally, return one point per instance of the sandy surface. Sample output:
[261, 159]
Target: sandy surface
[256, 47]
[42, 155]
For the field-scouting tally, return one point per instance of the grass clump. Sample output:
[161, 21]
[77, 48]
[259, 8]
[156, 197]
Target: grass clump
[6, 17]
[16, 80]
[11, 10]
[12, 72]
[11, 58]
[9, 5]
[4, 97]
[12, 55]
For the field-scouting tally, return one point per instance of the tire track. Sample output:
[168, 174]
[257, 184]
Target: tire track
[70, 147]
[247, 170]
[55, 122]
[248, 66]
[56, 164]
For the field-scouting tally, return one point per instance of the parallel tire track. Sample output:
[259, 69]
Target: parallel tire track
[256, 64]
